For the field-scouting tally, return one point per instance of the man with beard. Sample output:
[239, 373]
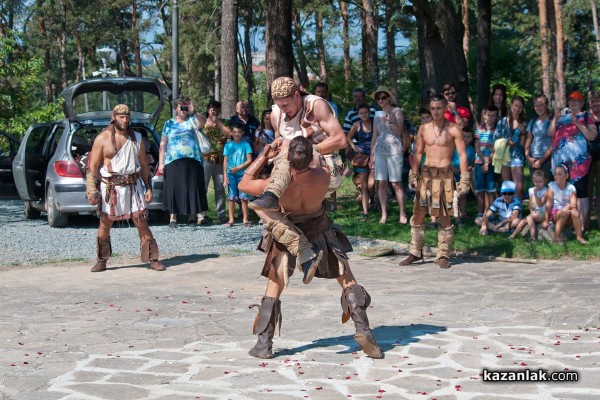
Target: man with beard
[117, 187]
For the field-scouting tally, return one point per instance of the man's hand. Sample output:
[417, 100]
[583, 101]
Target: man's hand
[148, 196]
[94, 199]
[412, 180]
[464, 183]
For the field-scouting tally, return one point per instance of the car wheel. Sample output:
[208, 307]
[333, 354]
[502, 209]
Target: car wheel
[56, 219]
[29, 211]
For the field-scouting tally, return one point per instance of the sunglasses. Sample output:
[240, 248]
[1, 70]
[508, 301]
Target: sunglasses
[508, 194]
[383, 97]
[449, 93]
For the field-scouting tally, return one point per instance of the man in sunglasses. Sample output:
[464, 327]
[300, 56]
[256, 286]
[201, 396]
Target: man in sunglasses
[454, 113]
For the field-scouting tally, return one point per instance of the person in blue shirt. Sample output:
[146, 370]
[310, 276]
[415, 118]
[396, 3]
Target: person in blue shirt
[470, 150]
[508, 208]
[237, 156]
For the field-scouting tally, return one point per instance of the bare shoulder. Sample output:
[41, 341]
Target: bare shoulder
[102, 138]
[454, 131]
[321, 110]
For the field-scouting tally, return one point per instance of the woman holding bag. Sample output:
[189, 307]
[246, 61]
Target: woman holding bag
[180, 161]
[363, 129]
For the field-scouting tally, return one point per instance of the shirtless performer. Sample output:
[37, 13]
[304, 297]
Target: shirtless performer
[298, 113]
[435, 186]
[302, 201]
[121, 153]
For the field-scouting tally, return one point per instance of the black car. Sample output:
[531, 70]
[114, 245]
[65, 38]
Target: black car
[9, 145]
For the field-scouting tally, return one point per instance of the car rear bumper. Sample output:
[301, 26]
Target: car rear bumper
[70, 197]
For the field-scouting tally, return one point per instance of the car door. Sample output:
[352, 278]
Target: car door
[8, 149]
[31, 162]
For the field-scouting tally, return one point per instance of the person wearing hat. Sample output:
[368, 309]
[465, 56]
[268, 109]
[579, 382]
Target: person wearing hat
[116, 188]
[570, 132]
[298, 113]
[508, 208]
[387, 153]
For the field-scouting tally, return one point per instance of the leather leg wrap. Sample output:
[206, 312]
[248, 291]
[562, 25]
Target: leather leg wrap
[445, 239]
[292, 238]
[103, 249]
[417, 238]
[355, 301]
[268, 318]
[149, 251]
[280, 177]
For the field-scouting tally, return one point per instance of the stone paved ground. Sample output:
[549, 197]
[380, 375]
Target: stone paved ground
[132, 333]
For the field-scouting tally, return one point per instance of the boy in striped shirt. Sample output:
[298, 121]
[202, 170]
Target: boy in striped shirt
[485, 181]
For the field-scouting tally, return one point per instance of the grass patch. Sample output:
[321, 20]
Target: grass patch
[466, 239]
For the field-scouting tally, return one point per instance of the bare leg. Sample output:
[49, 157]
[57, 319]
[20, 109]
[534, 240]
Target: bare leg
[584, 212]
[382, 193]
[517, 174]
[575, 218]
[244, 211]
[399, 191]
[505, 174]
[521, 226]
[231, 208]
[364, 177]
[559, 224]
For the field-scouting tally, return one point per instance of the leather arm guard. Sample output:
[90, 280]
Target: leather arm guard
[257, 165]
[412, 179]
[464, 183]
[92, 187]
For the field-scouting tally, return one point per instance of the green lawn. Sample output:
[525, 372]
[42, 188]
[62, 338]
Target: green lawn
[467, 239]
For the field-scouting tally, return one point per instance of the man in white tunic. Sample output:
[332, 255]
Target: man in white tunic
[121, 153]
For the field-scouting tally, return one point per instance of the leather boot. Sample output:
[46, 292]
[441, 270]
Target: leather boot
[149, 253]
[417, 241]
[355, 301]
[267, 319]
[445, 239]
[103, 252]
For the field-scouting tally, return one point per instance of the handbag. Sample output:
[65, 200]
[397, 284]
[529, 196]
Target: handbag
[360, 160]
[203, 141]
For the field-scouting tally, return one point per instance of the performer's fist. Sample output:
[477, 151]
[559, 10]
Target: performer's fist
[412, 180]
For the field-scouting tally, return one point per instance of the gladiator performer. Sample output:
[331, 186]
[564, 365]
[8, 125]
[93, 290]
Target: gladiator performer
[302, 201]
[298, 113]
[434, 184]
[116, 188]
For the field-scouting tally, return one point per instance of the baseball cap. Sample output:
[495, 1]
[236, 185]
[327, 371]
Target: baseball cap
[576, 95]
[508, 187]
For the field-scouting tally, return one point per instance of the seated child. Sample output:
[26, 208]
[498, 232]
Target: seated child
[237, 156]
[537, 206]
[561, 205]
[508, 208]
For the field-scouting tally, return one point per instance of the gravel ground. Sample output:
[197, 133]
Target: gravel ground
[32, 242]
[27, 242]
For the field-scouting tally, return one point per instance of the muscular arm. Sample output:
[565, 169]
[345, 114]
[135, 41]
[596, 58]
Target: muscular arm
[253, 186]
[97, 153]
[419, 149]
[331, 126]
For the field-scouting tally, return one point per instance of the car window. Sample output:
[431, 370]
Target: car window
[52, 140]
[6, 147]
[143, 102]
[37, 138]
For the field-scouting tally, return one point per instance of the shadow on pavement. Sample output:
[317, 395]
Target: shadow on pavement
[171, 261]
[388, 337]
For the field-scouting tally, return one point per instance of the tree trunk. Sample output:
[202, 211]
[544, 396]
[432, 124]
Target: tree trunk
[595, 18]
[560, 54]
[370, 28]
[440, 34]
[62, 46]
[278, 36]
[465, 16]
[80, 59]
[320, 46]
[390, 40]
[544, 50]
[247, 64]
[346, 44]
[301, 56]
[136, 38]
[229, 67]
[484, 62]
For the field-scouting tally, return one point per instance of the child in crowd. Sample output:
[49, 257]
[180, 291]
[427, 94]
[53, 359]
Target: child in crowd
[264, 133]
[537, 206]
[508, 207]
[485, 181]
[237, 156]
[561, 205]
[470, 150]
